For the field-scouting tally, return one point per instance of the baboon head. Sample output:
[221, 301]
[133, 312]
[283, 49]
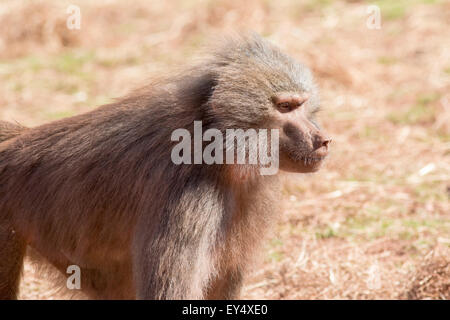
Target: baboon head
[257, 86]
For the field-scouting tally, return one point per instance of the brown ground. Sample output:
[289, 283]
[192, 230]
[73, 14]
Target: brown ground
[375, 222]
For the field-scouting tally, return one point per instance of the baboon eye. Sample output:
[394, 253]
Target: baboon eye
[284, 107]
[287, 102]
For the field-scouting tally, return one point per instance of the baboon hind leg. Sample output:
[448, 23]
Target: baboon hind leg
[12, 252]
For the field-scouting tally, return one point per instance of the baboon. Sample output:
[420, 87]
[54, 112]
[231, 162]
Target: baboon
[99, 190]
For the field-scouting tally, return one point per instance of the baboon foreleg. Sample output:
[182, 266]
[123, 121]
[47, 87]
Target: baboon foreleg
[171, 269]
[226, 286]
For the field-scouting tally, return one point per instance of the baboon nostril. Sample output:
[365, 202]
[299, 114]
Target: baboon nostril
[326, 142]
[321, 141]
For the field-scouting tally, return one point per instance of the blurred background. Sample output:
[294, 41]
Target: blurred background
[374, 223]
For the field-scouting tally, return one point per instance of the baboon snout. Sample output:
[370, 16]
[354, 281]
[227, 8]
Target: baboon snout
[320, 144]
[306, 134]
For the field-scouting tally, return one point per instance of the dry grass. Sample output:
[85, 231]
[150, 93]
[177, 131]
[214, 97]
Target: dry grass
[431, 280]
[374, 223]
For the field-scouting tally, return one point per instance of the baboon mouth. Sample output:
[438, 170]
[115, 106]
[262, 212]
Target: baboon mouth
[311, 160]
[308, 159]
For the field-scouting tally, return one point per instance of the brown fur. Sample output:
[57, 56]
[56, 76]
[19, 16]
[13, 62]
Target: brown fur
[99, 190]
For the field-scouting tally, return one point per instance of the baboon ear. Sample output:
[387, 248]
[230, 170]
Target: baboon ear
[198, 88]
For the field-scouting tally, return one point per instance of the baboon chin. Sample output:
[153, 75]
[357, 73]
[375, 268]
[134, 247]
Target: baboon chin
[100, 191]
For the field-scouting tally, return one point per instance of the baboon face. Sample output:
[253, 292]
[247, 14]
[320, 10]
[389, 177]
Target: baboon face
[303, 145]
[261, 87]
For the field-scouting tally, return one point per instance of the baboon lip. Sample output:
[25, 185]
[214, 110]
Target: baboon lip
[313, 158]
[309, 159]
